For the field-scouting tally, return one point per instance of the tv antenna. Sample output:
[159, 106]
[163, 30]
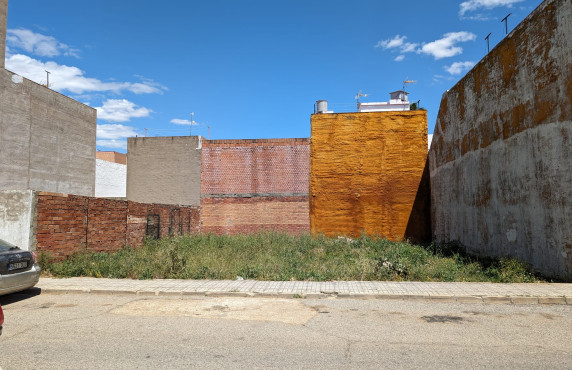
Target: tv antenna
[505, 20]
[407, 82]
[360, 94]
[488, 46]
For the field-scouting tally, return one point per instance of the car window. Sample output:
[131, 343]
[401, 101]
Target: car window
[4, 245]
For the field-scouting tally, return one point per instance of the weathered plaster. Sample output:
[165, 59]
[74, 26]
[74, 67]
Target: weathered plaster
[500, 161]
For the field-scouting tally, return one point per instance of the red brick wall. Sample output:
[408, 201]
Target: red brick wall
[61, 223]
[253, 185]
[250, 215]
[270, 166]
[70, 223]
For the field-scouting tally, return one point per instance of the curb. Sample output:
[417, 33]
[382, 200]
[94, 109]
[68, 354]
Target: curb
[516, 300]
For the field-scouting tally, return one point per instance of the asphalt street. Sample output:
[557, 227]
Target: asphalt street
[86, 331]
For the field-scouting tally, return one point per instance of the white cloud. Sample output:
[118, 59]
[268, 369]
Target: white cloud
[72, 79]
[399, 58]
[178, 121]
[446, 46]
[114, 136]
[38, 44]
[440, 79]
[459, 67]
[120, 110]
[112, 144]
[397, 43]
[471, 5]
[114, 132]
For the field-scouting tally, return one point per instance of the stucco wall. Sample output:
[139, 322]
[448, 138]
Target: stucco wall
[164, 170]
[110, 179]
[47, 140]
[500, 161]
[366, 172]
[18, 218]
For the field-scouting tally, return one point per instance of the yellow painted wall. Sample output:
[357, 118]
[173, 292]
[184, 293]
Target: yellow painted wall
[365, 171]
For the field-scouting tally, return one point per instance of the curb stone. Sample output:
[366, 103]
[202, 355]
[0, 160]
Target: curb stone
[459, 292]
[287, 295]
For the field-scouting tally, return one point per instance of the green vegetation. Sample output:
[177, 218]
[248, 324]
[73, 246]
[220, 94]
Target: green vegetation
[274, 256]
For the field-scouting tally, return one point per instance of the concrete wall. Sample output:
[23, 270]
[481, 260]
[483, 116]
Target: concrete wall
[18, 218]
[3, 25]
[47, 140]
[164, 170]
[253, 185]
[500, 161]
[110, 179]
[366, 173]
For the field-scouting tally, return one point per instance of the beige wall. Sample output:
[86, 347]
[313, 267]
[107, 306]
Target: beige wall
[164, 170]
[47, 140]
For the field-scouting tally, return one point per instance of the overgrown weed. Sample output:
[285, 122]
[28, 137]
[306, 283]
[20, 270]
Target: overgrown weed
[278, 257]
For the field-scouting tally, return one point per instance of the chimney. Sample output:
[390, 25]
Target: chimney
[3, 25]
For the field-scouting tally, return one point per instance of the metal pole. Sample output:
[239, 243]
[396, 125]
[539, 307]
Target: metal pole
[487, 38]
[505, 20]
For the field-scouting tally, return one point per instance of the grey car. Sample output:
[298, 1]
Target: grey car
[19, 269]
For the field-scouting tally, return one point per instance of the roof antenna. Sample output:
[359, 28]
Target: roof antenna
[360, 94]
[505, 20]
[487, 38]
[406, 82]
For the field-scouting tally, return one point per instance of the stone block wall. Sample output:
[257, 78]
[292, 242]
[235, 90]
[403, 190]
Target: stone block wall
[253, 185]
[500, 161]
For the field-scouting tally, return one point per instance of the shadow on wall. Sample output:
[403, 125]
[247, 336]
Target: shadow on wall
[419, 225]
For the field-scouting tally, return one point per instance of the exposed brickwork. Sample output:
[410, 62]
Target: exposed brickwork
[249, 215]
[62, 223]
[106, 224]
[114, 157]
[253, 185]
[67, 223]
[255, 166]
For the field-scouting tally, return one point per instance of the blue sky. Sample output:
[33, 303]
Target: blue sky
[246, 68]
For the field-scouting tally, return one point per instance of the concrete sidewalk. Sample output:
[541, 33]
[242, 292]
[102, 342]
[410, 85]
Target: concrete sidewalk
[540, 293]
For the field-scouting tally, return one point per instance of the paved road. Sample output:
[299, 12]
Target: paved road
[86, 331]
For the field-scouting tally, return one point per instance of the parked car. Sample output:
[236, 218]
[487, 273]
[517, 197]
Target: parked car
[19, 269]
[1, 319]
